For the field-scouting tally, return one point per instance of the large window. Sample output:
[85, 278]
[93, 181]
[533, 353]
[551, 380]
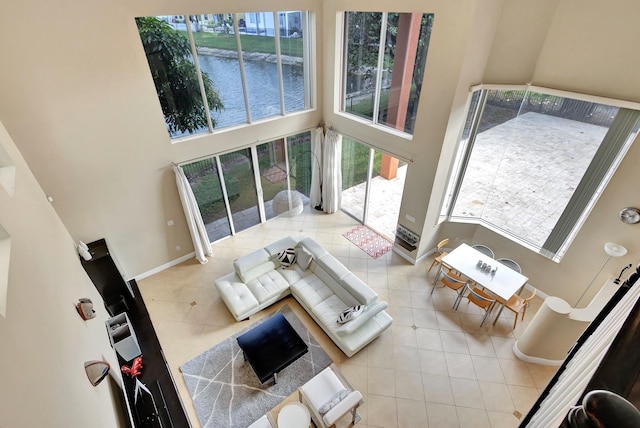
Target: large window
[384, 64]
[234, 191]
[532, 163]
[218, 70]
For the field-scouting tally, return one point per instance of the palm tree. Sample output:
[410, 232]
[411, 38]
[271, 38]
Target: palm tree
[175, 77]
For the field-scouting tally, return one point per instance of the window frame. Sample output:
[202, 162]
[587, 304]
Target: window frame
[341, 44]
[461, 155]
[308, 64]
[259, 190]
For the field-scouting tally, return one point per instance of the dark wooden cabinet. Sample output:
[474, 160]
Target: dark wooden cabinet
[156, 376]
[163, 409]
[104, 274]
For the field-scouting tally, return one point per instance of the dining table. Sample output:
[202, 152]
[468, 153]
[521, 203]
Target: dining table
[503, 282]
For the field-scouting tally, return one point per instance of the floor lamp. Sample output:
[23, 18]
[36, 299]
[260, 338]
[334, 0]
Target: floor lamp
[613, 250]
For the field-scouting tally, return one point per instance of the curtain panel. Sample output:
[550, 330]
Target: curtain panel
[315, 194]
[196, 225]
[332, 172]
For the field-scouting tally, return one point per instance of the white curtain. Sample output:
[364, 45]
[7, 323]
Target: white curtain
[331, 172]
[194, 220]
[579, 371]
[315, 195]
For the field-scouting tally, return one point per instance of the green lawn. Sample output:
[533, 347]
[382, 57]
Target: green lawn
[250, 43]
[355, 163]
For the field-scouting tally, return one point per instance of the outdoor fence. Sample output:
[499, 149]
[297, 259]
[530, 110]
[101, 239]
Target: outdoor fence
[526, 101]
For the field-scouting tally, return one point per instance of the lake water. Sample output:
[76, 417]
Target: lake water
[262, 87]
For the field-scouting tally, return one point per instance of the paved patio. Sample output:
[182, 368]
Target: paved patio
[384, 205]
[530, 180]
[519, 180]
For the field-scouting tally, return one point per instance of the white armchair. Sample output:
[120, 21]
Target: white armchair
[329, 396]
[266, 421]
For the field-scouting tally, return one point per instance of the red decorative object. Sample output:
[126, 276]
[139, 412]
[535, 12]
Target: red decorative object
[134, 370]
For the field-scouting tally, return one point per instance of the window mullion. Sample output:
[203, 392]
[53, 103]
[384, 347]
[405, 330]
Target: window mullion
[256, 178]
[468, 150]
[196, 62]
[345, 61]
[245, 92]
[307, 62]
[286, 162]
[276, 26]
[381, 49]
[605, 156]
[225, 195]
[367, 191]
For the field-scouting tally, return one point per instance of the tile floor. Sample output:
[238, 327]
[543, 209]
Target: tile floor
[433, 368]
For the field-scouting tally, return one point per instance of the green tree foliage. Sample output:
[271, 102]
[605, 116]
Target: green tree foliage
[363, 42]
[174, 75]
[363, 46]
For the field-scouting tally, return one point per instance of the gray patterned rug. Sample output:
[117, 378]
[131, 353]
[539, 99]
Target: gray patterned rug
[227, 393]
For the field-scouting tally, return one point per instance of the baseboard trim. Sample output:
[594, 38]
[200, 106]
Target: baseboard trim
[541, 294]
[398, 251]
[164, 266]
[403, 255]
[535, 360]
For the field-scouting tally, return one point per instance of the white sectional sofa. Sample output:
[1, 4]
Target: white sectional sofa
[325, 289]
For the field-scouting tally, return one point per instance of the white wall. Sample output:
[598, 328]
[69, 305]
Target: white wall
[80, 105]
[591, 47]
[79, 100]
[44, 341]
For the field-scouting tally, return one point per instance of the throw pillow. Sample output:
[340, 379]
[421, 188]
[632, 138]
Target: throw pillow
[304, 258]
[350, 313]
[287, 257]
[334, 400]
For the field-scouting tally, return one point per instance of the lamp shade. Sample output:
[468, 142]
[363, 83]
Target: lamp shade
[614, 250]
[288, 202]
[96, 371]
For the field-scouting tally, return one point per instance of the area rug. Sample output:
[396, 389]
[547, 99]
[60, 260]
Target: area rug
[368, 241]
[274, 174]
[227, 393]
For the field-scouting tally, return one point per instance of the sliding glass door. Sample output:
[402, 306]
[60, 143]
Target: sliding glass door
[385, 194]
[233, 197]
[239, 180]
[372, 185]
[272, 161]
[204, 178]
[356, 164]
[300, 161]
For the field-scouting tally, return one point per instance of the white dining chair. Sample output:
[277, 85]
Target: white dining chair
[484, 250]
[510, 263]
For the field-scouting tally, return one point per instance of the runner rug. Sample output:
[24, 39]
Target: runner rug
[368, 241]
[227, 393]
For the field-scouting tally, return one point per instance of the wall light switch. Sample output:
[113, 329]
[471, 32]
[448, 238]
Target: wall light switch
[177, 247]
[170, 223]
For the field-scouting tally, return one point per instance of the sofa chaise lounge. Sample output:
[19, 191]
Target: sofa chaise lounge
[322, 285]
